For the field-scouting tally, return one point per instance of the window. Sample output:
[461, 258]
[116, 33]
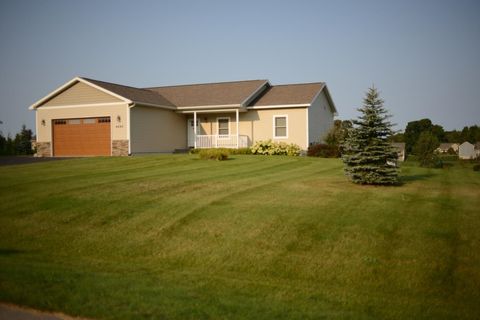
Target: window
[280, 126]
[60, 121]
[89, 121]
[74, 121]
[223, 126]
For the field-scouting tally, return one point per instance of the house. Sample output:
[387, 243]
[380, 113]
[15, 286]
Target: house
[477, 149]
[400, 147]
[467, 151]
[87, 117]
[444, 147]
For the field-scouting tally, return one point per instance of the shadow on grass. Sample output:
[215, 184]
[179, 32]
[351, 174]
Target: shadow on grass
[10, 252]
[415, 177]
[214, 160]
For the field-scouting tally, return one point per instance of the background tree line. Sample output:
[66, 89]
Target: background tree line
[415, 129]
[421, 138]
[21, 144]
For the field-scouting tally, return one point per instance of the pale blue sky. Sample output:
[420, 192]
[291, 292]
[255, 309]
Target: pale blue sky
[424, 56]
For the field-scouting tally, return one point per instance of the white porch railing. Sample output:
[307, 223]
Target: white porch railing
[221, 141]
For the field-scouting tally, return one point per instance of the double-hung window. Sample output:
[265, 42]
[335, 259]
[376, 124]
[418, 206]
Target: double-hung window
[280, 127]
[223, 126]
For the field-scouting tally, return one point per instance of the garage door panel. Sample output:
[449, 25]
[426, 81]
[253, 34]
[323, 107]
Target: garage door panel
[82, 137]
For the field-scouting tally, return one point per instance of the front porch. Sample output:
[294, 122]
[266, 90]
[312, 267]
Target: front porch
[221, 141]
[215, 129]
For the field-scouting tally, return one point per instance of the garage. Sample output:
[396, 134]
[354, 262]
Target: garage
[81, 137]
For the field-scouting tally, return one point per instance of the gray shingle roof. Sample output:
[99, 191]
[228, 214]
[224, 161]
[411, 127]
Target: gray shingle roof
[135, 94]
[209, 94]
[302, 93]
[217, 94]
[446, 145]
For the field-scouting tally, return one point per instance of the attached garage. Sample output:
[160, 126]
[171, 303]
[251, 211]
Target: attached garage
[87, 117]
[82, 137]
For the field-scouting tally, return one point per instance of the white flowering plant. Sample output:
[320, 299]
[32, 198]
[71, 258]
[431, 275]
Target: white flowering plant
[269, 147]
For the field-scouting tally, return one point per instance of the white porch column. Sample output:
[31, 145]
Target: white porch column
[238, 135]
[195, 129]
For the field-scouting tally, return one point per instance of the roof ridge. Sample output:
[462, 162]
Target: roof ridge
[297, 84]
[206, 83]
[117, 84]
[129, 87]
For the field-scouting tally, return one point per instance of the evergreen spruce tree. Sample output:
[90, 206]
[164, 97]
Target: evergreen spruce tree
[368, 156]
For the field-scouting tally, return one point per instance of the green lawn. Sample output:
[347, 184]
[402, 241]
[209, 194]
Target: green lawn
[174, 237]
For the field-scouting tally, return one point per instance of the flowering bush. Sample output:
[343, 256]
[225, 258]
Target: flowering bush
[269, 147]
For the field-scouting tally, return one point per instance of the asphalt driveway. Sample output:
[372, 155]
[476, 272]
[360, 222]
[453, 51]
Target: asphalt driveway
[12, 160]
[12, 312]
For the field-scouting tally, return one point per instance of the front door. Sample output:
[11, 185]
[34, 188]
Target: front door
[190, 130]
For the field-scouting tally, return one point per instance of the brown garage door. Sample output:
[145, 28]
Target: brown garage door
[82, 137]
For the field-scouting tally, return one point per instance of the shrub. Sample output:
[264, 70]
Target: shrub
[269, 147]
[213, 154]
[425, 150]
[451, 151]
[448, 157]
[437, 163]
[240, 151]
[228, 150]
[323, 151]
[476, 167]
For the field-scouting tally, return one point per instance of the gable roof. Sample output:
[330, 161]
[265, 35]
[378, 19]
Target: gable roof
[446, 145]
[137, 95]
[302, 93]
[124, 93]
[210, 94]
[248, 93]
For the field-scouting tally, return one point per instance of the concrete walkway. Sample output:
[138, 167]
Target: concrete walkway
[12, 312]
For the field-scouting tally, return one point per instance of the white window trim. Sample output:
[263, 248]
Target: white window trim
[222, 136]
[286, 126]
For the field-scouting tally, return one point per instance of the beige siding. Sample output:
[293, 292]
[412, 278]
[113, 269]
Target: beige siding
[157, 130]
[320, 119]
[209, 124]
[117, 113]
[80, 93]
[258, 125]
[466, 151]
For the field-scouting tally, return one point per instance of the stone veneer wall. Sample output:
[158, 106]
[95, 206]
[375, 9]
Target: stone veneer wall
[44, 149]
[119, 147]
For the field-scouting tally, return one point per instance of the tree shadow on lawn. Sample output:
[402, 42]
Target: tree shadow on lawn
[10, 252]
[414, 177]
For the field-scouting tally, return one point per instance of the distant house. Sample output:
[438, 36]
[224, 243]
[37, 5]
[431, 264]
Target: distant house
[477, 149]
[444, 147]
[467, 151]
[400, 146]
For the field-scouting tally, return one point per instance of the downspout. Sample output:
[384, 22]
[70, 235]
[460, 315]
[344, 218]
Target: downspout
[130, 105]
